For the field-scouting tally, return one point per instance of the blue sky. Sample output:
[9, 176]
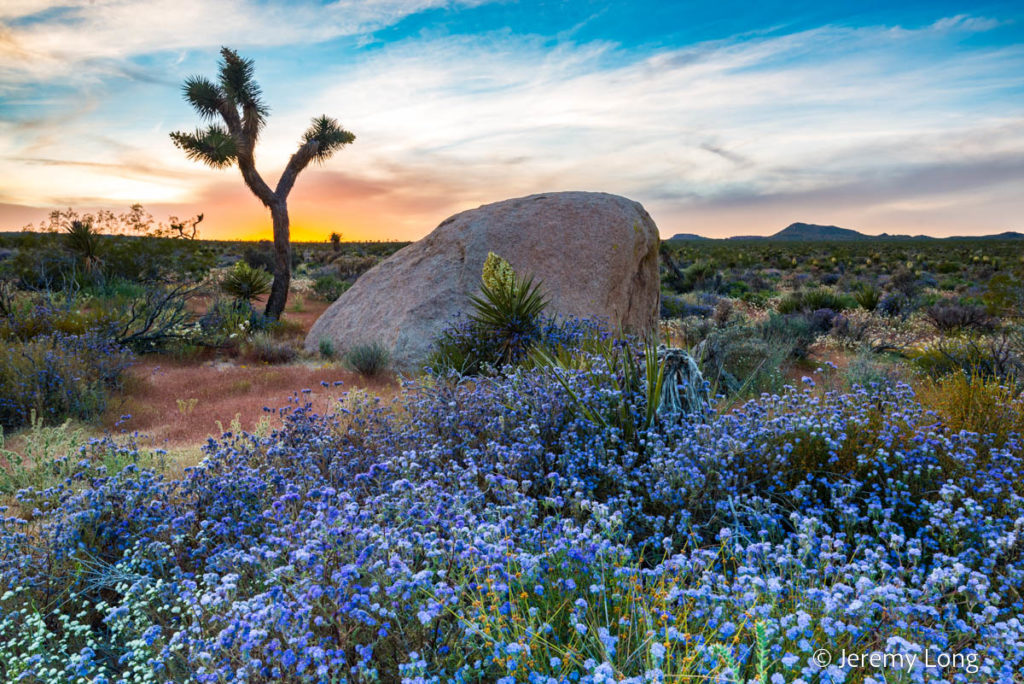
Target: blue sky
[721, 118]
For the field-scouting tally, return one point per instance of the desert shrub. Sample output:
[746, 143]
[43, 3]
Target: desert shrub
[57, 376]
[977, 403]
[701, 275]
[950, 284]
[738, 359]
[807, 301]
[160, 318]
[142, 319]
[461, 349]
[48, 457]
[261, 257]
[29, 316]
[229, 323]
[370, 359]
[999, 355]
[245, 283]
[830, 279]
[263, 347]
[675, 306]
[686, 332]
[42, 262]
[154, 260]
[905, 282]
[1004, 295]
[738, 289]
[867, 296]
[42, 267]
[351, 266]
[327, 349]
[44, 457]
[869, 369]
[329, 288]
[895, 304]
[795, 332]
[954, 317]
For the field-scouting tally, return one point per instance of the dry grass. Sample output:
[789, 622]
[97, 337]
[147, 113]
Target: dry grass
[974, 403]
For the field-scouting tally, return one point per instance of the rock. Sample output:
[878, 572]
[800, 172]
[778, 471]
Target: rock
[595, 254]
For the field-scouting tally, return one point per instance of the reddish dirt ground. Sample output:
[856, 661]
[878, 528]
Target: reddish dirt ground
[177, 404]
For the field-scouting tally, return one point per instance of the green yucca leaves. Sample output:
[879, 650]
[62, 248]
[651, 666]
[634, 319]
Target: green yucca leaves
[508, 314]
[245, 283]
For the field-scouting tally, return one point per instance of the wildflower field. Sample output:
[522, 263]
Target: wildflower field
[513, 528]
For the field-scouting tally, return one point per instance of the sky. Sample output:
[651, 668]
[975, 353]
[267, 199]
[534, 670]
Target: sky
[721, 118]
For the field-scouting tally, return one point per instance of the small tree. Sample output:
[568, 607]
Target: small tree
[336, 241]
[237, 101]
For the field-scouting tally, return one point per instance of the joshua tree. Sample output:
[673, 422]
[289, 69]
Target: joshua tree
[336, 241]
[237, 101]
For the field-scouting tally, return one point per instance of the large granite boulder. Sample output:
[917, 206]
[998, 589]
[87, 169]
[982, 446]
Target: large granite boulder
[595, 255]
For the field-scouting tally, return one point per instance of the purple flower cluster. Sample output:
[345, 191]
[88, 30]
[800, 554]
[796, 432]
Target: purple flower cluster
[490, 531]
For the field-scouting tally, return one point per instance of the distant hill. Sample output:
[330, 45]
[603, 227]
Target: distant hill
[812, 231]
[688, 236]
[1008, 235]
[796, 232]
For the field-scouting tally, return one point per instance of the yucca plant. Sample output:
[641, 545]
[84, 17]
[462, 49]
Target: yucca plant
[245, 283]
[867, 296]
[638, 381]
[81, 239]
[507, 312]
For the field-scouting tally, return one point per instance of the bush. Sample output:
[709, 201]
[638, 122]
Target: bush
[895, 304]
[1000, 355]
[265, 348]
[701, 275]
[329, 288]
[795, 332]
[327, 349]
[229, 323]
[869, 369]
[261, 258]
[954, 317]
[806, 301]
[369, 359]
[738, 359]
[56, 376]
[674, 306]
[975, 403]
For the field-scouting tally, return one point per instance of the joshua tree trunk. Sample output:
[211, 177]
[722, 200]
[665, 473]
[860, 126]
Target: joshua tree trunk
[282, 262]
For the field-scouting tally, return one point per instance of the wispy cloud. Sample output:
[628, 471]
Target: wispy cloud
[85, 39]
[875, 126]
[854, 110]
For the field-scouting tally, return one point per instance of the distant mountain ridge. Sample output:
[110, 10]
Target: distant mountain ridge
[812, 231]
[808, 232]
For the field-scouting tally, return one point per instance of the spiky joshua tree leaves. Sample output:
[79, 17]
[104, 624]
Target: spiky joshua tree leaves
[234, 108]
